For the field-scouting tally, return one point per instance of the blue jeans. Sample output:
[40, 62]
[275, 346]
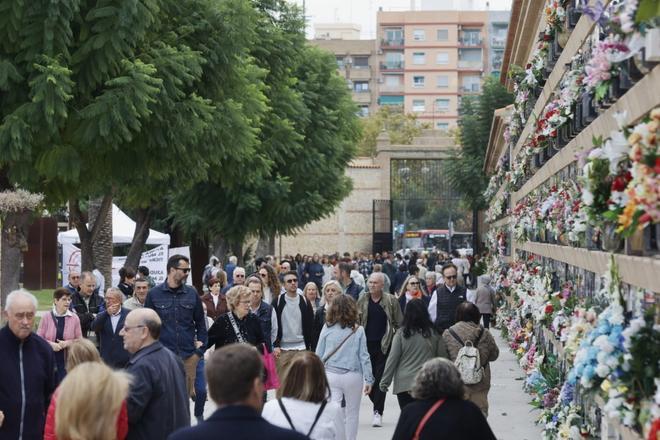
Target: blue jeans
[200, 389]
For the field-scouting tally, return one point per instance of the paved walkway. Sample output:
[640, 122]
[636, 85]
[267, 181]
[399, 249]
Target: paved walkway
[511, 417]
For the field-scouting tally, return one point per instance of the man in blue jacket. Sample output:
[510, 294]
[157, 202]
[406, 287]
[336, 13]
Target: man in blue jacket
[158, 400]
[182, 314]
[234, 375]
[107, 326]
[26, 370]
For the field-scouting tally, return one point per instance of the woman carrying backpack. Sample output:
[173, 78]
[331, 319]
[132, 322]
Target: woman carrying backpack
[460, 338]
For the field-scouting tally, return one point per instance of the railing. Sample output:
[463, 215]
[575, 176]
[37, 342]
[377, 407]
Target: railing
[497, 42]
[391, 88]
[391, 43]
[470, 41]
[462, 64]
[392, 66]
[471, 88]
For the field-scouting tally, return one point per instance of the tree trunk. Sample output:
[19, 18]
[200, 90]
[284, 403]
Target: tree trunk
[102, 245]
[89, 236]
[475, 231]
[237, 249]
[221, 249]
[266, 246]
[142, 225]
[14, 243]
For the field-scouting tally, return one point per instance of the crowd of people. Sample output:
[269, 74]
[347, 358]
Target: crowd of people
[320, 330]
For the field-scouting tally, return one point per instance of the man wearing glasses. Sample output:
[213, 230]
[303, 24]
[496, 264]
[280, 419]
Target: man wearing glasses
[238, 279]
[182, 314]
[74, 281]
[295, 320]
[446, 299]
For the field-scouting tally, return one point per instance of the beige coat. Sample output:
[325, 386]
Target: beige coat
[488, 352]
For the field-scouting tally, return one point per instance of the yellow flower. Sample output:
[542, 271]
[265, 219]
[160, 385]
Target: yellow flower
[626, 218]
[622, 389]
[605, 386]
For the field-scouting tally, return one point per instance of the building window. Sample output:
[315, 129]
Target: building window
[419, 35]
[418, 81]
[360, 86]
[470, 37]
[472, 83]
[418, 105]
[443, 81]
[442, 105]
[393, 61]
[340, 62]
[419, 58]
[393, 80]
[363, 111]
[361, 62]
[442, 126]
[470, 58]
[442, 58]
[393, 37]
[443, 34]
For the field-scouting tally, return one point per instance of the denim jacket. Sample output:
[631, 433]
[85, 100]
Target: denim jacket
[352, 356]
[182, 314]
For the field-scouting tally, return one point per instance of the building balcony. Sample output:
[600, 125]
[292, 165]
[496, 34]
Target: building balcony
[385, 44]
[392, 66]
[470, 88]
[475, 65]
[496, 64]
[359, 73]
[498, 42]
[362, 96]
[391, 88]
[470, 42]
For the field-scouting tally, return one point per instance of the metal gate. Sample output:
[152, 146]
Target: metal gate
[382, 226]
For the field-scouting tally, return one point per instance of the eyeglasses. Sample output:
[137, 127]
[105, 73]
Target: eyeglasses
[451, 277]
[128, 328]
[413, 283]
[75, 278]
[183, 269]
[291, 281]
[238, 275]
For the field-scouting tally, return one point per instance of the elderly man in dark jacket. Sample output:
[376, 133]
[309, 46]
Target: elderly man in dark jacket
[158, 399]
[107, 326]
[26, 371]
[445, 300]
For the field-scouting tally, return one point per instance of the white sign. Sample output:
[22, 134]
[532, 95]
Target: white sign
[155, 260]
[185, 251]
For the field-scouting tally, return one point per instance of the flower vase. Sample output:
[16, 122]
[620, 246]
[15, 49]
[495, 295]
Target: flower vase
[550, 150]
[562, 38]
[550, 237]
[556, 48]
[635, 243]
[592, 238]
[538, 159]
[576, 123]
[640, 64]
[652, 239]
[563, 239]
[611, 241]
[541, 235]
[588, 109]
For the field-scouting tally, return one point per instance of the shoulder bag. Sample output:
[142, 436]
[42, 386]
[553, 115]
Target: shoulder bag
[427, 416]
[316, 419]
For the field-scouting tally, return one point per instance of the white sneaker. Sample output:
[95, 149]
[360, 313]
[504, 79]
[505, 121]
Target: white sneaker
[377, 420]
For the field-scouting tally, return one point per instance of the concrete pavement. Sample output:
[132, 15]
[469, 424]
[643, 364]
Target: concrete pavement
[510, 415]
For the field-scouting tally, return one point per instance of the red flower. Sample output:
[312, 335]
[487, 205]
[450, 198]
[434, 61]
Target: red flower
[656, 168]
[549, 309]
[547, 37]
[619, 184]
[528, 66]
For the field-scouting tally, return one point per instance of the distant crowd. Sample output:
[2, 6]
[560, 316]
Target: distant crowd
[319, 330]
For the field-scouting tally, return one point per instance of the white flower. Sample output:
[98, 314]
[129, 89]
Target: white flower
[616, 149]
[587, 197]
[596, 153]
[612, 361]
[602, 343]
[620, 118]
[602, 370]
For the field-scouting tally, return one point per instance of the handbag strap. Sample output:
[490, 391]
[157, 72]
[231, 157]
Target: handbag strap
[427, 416]
[316, 419]
[325, 359]
[236, 330]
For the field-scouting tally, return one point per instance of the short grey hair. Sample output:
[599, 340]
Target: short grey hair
[233, 259]
[380, 275]
[113, 291]
[430, 274]
[86, 275]
[20, 293]
[438, 379]
[332, 283]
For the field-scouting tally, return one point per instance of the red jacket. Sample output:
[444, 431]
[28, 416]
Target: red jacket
[49, 430]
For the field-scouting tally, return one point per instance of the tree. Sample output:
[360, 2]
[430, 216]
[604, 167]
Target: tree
[401, 128]
[465, 169]
[122, 98]
[306, 140]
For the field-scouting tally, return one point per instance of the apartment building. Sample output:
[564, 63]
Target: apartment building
[430, 59]
[356, 59]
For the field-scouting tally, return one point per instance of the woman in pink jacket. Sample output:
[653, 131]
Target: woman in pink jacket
[60, 328]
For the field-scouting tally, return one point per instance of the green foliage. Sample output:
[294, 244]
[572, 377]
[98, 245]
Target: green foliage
[401, 128]
[647, 10]
[465, 169]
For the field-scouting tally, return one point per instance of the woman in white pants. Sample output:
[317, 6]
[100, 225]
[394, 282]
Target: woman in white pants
[342, 347]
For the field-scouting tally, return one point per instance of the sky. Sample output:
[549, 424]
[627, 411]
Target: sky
[363, 12]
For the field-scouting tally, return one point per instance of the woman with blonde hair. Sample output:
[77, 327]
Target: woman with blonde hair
[342, 347]
[311, 294]
[302, 401]
[238, 324]
[411, 289]
[331, 290]
[76, 418]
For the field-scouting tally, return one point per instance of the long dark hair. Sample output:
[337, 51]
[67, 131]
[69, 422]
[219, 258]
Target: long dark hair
[416, 319]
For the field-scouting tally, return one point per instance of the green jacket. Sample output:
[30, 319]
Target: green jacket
[407, 357]
[394, 316]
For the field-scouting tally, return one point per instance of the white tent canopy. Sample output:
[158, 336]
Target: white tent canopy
[123, 229]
